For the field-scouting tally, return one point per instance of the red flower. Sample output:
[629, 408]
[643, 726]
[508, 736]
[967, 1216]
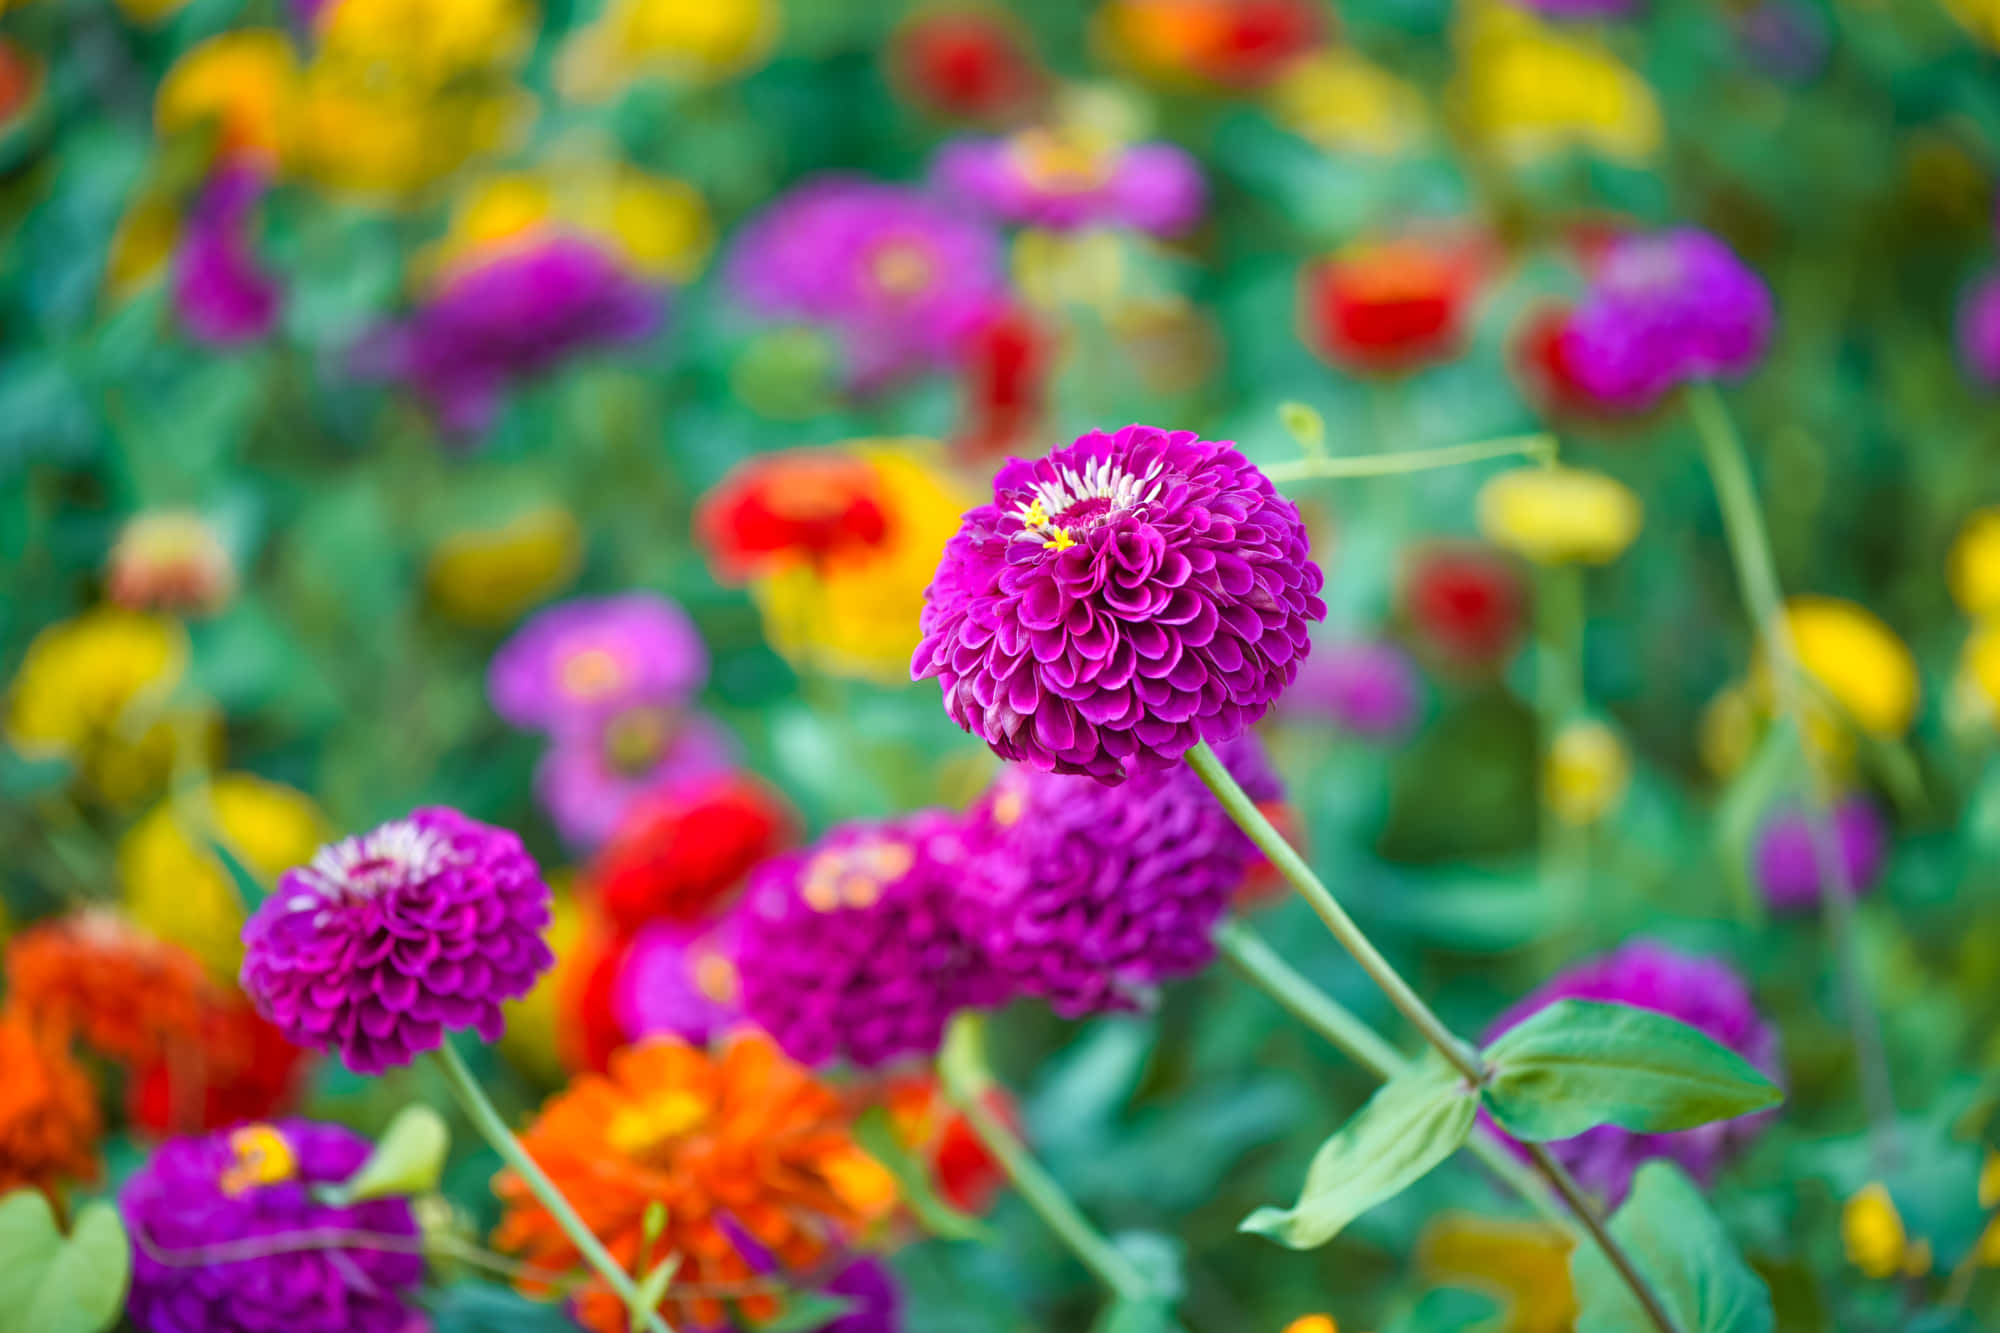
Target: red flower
[1389, 308]
[20, 81]
[1465, 602]
[1253, 40]
[811, 504]
[682, 849]
[589, 1031]
[963, 1172]
[243, 1070]
[1262, 884]
[1007, 366]
[970, 64]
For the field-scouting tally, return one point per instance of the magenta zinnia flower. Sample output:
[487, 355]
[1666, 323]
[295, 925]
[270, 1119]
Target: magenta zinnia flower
[592, 773]
[1787, 870]
[1664, 310]
[1369, 688]
[1119, 601]
[681, 980]
[591, 658]
[1089, 895]
[221, 294]
[197, 1200]
[388, 939]
[850, 948]
[1707, 995]
[899, 278]
[1979, 332]
[1063, 180]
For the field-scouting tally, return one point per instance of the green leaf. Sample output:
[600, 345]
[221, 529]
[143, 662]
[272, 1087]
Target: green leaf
[805, 1312]
[1578, 1064]
[877, 1137]
[1137, 1316]
[1412, 1123]
[651, 1289]
[53, 1284]
[1305, 425]
[408, 1160]
[1686, 1257]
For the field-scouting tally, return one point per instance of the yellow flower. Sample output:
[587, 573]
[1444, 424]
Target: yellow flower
[244, 83]
[1053, 269]
[1977, 689]
[1981, 18]
[1523, 1265]
[1313, 1323]
[1344, 104]
[147, 233]
[150, 12]
[696, 43]
[488, 576]
[1586, 773]
[857, 616]
[94, 691]
[658, 225]
[530, 1042]
[1533, 91]
[1973, 568]
[179, 889]
[431, 41]
[1728, 731]
[1856, 659]
[1560, 515]
[1872, 1232]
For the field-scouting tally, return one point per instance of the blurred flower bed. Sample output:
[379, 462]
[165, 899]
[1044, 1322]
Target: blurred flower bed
[544, 554]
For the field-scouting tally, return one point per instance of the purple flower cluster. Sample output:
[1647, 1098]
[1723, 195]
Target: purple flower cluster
[1120, 600]
[387, 940]
[221, 295]
[1707, 995]
[611, 681]
[898, 277]
[1368, 688]
[1088, 895]
[512, 316]
[1047, 178]
[1663, 310]
[851, 948]
[236, 1188]
[1787, 871]
[1979, 332]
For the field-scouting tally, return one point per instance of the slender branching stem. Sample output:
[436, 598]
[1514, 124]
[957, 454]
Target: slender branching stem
[1541, 447]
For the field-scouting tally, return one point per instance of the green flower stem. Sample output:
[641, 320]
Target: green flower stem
[1462, 1057]
[1541, 446]
[1265, 969]
[494, 1130]
[1564, 847]
[962, 1069]
[1757, 574]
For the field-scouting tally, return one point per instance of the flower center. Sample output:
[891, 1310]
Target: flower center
[636, 738]
[715, 977]
[590, 673]
[855, 876]
[1064, 161]
[1078, 500]
[262, 1157]
[400, 852]
[902, 268]
[640, 1129]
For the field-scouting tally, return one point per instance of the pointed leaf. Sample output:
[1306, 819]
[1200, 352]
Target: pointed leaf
[1412, 1123]
[1686, 1257]
[806, 1312]
[409, 1159]
[1578, 1064]
[57, 1284]
[651, 1289]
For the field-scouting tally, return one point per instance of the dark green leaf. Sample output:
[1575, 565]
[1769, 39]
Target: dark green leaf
[1578, 1064]
[1686, 1257]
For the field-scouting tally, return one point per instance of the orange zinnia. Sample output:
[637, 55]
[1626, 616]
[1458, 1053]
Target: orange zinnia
[746, 1136]
[48, 1110]
[122, 992]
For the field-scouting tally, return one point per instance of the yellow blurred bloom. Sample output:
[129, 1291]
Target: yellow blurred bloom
[1313, 1323]
[147, 233]
[94, 690]
[696, 43]
[1973, 567]
[856, 616]
[1872, 1233]
[1856, 659]
[1586, 772]
[1523, 1265]
[150, 11]
[1981, 18]
[433, 41]
[1560, 515]
[489, 576]
[1344, 104]
[1531, 90]
[244, 83]
[1053, 269]
[660, 226]
[1977, 688]
[533, 1021]
[1728, 731]
[175, 885]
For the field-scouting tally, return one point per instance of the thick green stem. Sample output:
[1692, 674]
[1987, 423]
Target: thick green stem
[1463, 1057]
[962, 1068]
[1757, 574]
[1538, 446]
[494, 1130]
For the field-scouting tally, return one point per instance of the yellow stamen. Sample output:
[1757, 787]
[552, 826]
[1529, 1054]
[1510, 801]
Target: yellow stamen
[262, 1158]
[1059, 540]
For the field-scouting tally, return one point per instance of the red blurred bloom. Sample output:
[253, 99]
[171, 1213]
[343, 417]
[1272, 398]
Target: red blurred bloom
[1389, 308]
[243, 1069]
[20, 81]
[1262, 883]
[1239, 45]
[96, 976]
[681, 850]
[1465, 602]
[48, 1111]
[589, 1031]
[1007, 365]
[811, 504]
[962, 1170]
[967, 64]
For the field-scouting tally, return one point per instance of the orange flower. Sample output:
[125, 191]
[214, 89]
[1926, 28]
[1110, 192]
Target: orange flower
[120, 991]
[745, 1135]
[48, 1110]
[964, 1172]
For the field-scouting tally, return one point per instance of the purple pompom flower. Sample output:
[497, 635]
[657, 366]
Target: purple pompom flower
[1663, 310]
[850, 948]
[1786, 869]
[1707, 995]
[1065, 179]
[1089, 895]
[238, 1187]
[681, 981]
[221, 295]
[592, 773]
[1580, 10]
[1121, 600]
[1979, 332]
[386, 940]
[875, 1302]
[898, 277]
[1369, 688]
[515, 315]
[591, 658]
